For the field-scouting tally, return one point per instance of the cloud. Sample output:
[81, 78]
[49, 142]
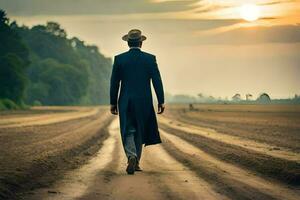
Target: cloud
[87, 7]
[211, 8]
[255, 35]
[276, 2]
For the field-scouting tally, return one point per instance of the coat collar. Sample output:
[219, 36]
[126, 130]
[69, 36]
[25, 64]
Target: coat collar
[135, 49]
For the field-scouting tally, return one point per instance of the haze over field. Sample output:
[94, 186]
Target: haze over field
[230, 72]
[217, 51]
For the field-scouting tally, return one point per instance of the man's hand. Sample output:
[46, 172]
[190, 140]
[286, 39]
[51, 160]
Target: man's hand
[161, 108]
[114, 109]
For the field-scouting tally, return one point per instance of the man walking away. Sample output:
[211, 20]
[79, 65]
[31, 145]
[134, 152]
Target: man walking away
[135, 70]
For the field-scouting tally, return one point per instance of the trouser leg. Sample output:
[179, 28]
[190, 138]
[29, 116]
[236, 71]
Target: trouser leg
[138, 146]
[129, 140]
[133, 144]
[129, 144]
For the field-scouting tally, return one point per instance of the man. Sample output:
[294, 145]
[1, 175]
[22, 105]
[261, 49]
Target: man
[135, 69]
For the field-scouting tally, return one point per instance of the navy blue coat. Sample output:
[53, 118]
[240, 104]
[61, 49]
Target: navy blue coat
[134, 70]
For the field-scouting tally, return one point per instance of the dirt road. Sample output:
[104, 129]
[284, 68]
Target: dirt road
[65, 153]
[167, 175]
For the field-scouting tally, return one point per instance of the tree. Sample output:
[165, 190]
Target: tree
[264, 98]
[13, 62]
[248, 97]
[3, 18]
[12, 78]
[55, 29]
[200, 95]
[10, 41]
[39, 28]
[57, 84]
[60, 71]
[236, 97]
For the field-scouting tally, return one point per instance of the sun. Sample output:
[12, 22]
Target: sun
[250, 12]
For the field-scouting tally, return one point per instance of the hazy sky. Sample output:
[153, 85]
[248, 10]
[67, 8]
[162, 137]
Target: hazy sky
[201, 45]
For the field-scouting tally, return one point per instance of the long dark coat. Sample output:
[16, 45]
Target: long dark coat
[135, 69]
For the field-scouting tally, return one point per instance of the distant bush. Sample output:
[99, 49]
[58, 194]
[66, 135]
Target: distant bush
[2, 107]
[36, 103]
[23, 106]
[7, 104]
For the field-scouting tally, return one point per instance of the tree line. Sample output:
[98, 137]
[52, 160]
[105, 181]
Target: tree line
[41, 66]
[263, 98]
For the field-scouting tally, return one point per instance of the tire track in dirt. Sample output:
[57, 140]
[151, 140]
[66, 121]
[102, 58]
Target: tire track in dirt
[40, 159]
[75, 183]
[228, 179]
[113, 182]
[282, 170]
[274, 151]
[60, 133]
[48, 118]
[180, 179]
[162, 178]
[104, 177]
[177, 170]
[90, 126]
[263, 123]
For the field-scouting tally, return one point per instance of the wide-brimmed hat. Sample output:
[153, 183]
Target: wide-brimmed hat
[134, 35]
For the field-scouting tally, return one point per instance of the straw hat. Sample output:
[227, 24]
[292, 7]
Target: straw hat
[134, 35]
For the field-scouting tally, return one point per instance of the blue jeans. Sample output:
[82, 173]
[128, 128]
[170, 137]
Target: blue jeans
[132, 142]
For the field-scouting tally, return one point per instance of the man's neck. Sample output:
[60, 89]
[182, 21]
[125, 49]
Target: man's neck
[135, 47]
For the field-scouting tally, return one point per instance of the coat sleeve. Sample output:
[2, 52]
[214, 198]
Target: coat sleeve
[157, 82]
[114, 83]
